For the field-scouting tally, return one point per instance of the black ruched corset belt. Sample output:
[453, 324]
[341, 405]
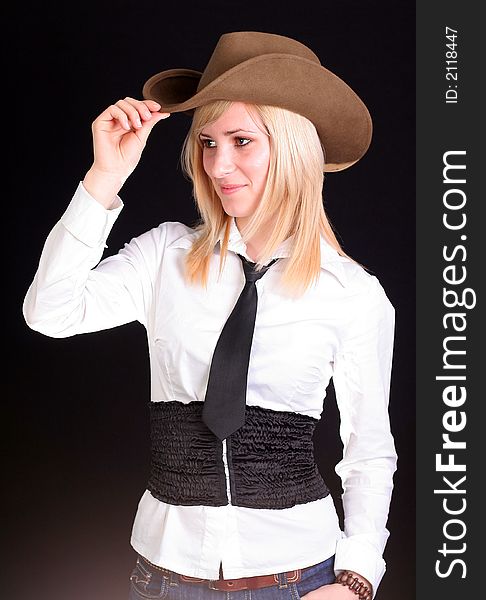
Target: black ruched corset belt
[270, 459]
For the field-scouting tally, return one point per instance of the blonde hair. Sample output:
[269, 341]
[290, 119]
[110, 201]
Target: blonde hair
[292, 197]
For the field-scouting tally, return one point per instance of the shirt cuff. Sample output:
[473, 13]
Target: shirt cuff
[88, 220]
[361, 557]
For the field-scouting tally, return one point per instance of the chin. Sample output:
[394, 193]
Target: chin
[236, 212]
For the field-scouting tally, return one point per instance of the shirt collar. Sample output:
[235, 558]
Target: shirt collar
[331, 260]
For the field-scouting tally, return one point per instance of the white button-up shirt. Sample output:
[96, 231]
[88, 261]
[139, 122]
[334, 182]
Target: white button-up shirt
[341, 328]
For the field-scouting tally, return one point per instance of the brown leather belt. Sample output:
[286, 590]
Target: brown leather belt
[243, 583]
[234, 585]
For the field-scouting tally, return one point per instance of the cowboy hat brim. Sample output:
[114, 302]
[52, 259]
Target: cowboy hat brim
[298, 84]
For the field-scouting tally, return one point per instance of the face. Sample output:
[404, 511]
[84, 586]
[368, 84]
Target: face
[236, 153]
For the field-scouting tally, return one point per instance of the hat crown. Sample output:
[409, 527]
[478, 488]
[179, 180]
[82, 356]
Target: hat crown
[237, 47]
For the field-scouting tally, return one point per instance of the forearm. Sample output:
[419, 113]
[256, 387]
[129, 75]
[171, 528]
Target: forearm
[368, 485]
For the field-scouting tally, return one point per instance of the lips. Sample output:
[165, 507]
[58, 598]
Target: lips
[228, 189]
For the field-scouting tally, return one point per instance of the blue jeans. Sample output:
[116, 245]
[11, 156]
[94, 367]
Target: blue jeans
[149, 583]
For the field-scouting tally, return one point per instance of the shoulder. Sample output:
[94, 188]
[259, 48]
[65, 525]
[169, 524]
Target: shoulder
[364, 311]
[173, 231]
[359, 279]
[372, 306]
[355, 280]
[165, 235]
[363, 288]
[151, 247]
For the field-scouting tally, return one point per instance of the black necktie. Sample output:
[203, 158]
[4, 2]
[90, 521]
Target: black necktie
[225, 402]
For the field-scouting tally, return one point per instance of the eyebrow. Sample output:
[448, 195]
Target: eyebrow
[229, 132]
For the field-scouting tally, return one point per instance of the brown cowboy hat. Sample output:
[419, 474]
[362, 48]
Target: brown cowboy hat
[265, 68]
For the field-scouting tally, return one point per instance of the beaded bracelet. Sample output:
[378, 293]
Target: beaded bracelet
[354, 584]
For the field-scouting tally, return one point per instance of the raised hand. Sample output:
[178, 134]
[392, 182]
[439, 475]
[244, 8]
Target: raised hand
[120, 134]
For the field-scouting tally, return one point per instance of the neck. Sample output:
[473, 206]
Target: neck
[255, 244]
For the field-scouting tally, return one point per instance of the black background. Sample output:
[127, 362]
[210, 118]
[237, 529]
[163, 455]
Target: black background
[75, 417]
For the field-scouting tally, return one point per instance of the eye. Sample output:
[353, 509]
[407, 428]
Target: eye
[206, 141]
[245, 139]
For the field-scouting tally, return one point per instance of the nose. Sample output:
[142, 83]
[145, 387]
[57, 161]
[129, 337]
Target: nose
[220, 163]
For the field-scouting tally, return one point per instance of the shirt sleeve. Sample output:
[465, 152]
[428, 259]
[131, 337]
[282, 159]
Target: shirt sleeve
[72, 291]
[362, 373]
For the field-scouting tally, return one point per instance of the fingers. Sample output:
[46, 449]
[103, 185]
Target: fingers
[136, 112]
[131, 113]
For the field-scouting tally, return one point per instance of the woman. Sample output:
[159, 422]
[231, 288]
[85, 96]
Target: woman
[248, 316]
